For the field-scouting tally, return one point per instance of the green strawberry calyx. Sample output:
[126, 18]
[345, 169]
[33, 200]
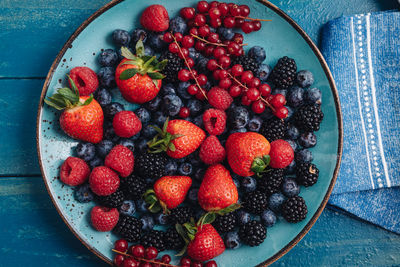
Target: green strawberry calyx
[155, 205]
[260, 164]
[145, 64]
[210, 216]
[162, 141]
[67, 98]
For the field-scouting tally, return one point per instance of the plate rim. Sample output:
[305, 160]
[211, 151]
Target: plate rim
[316, 52]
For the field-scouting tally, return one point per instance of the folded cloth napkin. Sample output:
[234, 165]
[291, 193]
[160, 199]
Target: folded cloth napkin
[363, 53]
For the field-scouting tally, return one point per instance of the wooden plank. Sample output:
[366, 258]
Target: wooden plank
[32, 32]
[31, 228]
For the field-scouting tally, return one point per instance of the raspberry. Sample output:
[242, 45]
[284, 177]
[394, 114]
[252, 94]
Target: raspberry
[211, 151]
[74, 171]
[219, 98]
[126, 124]
[104, 219]
[155, 18]
[281, 154]
[214, 121]
[103, 181]
[120, 159]
[85, 79]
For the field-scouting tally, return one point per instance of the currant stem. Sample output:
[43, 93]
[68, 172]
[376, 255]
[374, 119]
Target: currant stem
[241, 17]
[143, 259]
[210, 43]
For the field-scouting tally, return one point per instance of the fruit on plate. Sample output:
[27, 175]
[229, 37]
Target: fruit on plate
[74, 171]
[126, 124]
[82, 117]
[85, 80]
[103, 181]
[281, 154]
[104, 219]
[121, 160]
[155, 18]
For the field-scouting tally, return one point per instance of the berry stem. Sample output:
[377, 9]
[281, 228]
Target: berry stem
[143, 259]
[189, 68]
[210, 43]
[241, 17]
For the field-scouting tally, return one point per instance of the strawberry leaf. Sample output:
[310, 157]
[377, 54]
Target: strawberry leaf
[126, 53]
[136, 62]
[229, 209]
[73, 85]
[161, 65]
[68, 94]
[127, 74]
[156, 76]
[148, 62]
[207, 218]
[88, 101]
[53, 104]
[139, 48]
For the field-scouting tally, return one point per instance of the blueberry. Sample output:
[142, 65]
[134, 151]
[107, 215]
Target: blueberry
[161, 218]
[104, 147]
[313, 96]
[295, 97]
[141, 205]
[226, 33]
[172, 104]
[207, 86]
[148, 222]
[263, 72]
[108, 58]
[128, 143]
[159, 118]
[154, 104]
[141, 145]
[248, 184]
[182, 90]
[128, 208]
[148, 131]
[143, 115]
[171, 167]
[243, 217]
[212, 29]
[111, 109]
[254, 124]
[279, 91]
[236, 182]
[305, 78]
[121, 37]
[86, 151]
[268, 218]
[292, 143]
[83, 193]
[168, 89]
[135, 137]
[290, 113]
[155, 41]
[290, 188]
[106, 77]
[102, 96]
[148, 51]
[194, 54]
[138, 34]
[307, 139]
[199, 174]
[275, 202]
[178, 24]
[198, 121]
[192, 195]
[185, 169]
[232, 240]
[292, 132]
[304, 155]
[109, 134]
[95, 162]
[238, 117]
[258, 53]
[202, 65]
[291, 168]
[195, 106]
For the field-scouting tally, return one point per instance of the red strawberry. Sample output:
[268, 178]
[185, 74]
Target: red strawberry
[155, 18]
[214, 121]
[178, 138]
[126, 124]
[85, 79]
[74, 171]
[104, 219]
[217, 190]
[211, 151]
[281, 154]
[121, 160]
[207, 244]
[82, 118]
[103, 181]
[247, 153]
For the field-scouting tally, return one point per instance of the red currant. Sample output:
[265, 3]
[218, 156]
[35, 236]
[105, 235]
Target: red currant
[244, 10]
[200, 20]
[185, 261]
[255, 82]
[121, 245]
[258, 106]
[233, 48]
[192, 89]
[216, 74]
[188, 12]
[166, 258]
[237, 70]
[214, 13]
[203, 6]
[194, 31]
[212, 65]
[238, 38]
[211, 264]
[240, 52]
[184, 75]
[224, 61]
[253, 94]
[196, 264]
[193, 74]
[229, 22]
[204, 31]
[188, 41]
[184, 53]
[214, 4]
[178, 36]
[191, 23]
[190, 62]
[278, 101]
[225, 83]
[200, 46]
[173, 48]
[146, 264]
[223, 74]
[235, 90]
[281, 112]
[151, 253]
[184, 112]
[239, 22]
[245, 100]
[247, 27]
[200, 96]
[208, 51]
[219, 52]
[247, 76]
[224, 9]
[216, 23]
[213, 37]
[118, 260]
[256, 25]
[130, 262]
[265, 89]
[137, 251]
[202, 79]
[167, 37]
[234, 10]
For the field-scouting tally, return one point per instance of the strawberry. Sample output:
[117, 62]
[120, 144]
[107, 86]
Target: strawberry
[168, 193]
[104, 219]
[138, 77]
[211, 151]
[217, 190]
[103, 181]
[178, 138]
[281, 154]
[121, 160]
[247, 153]
[155, 18]
[74, 171]
[82, 117]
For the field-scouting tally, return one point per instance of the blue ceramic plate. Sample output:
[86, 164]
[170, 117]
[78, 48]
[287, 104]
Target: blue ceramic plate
[280, 37]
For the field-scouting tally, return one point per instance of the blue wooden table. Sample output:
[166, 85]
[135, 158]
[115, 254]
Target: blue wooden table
[32, 233]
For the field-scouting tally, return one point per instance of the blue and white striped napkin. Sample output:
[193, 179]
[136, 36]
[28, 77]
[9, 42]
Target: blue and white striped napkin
[363, 53]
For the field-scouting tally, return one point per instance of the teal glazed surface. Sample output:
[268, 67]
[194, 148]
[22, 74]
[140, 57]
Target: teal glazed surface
[278, 37]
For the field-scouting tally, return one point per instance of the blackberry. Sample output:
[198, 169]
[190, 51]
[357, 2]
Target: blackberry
[255, 202]
[225, 223]
[129, 228]
[153, 238]
[174, 65]
[308, 118]
[173, 240]
[273, 129]
[252, 233]
[248, 63]
[151, 165]
[270, 181]
[307, 174]
[180, 215]
[283, 74]
[114, 200]
[133, 186]
[294, 209]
